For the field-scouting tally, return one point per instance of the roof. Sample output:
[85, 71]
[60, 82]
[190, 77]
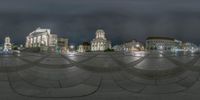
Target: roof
[164, 38]
[40, 31]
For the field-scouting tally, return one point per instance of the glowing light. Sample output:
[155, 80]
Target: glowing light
[71, 46]
[138, 54]
[72, 53]
[160, 55]
[161, 52]
[161, 47]
[137, 45]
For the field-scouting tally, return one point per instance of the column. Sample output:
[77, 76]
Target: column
[48, 39]
[28, 43]
[40, 39]
[31, 41]
[36, 41]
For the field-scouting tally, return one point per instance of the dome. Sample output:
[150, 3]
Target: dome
[100, 34]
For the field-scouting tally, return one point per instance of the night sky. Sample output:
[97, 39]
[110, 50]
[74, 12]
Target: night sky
[122, 20]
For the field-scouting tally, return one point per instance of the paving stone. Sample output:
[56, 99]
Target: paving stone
[155, 64]
[109, 79]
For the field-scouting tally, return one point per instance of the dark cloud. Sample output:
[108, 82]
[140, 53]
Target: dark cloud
[123, 20]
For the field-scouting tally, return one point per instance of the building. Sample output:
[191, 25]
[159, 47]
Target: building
[100, 43]
[62, 45]
[41, 38]
[7, 44]
[189, 47]
[129, 46]
[1, 47]
[162, 43]
[84, 47]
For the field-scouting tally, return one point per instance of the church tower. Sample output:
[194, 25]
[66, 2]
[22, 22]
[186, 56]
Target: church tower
[7, 44]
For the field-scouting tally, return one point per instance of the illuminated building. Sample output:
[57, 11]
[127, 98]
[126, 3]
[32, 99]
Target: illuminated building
[7, 44]
[1, 47]
[190, 47]
[100, 43]
[129, 46]
[84, 47]
[41, 38]
[162, 43]
[62, 45]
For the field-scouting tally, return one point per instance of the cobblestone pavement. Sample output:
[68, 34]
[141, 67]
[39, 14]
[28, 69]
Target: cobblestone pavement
[100, 76]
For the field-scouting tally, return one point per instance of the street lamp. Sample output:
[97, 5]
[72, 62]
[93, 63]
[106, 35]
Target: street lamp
[137, 45]
[71, 46]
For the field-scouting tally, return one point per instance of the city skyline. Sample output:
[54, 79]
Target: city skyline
[123, 21]
[99, 49]
[80, 40]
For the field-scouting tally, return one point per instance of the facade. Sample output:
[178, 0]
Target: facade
[129, 46]
[190, 47]
[1, 47]
[100, 43]
[62, 45]
[7, 44]
[41, 38]
[84, 47]
[162, 43]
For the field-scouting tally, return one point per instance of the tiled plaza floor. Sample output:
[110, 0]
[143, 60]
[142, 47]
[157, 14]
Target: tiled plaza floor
[99, 76]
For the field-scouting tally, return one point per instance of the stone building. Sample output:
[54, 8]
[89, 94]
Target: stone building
[7, 44]
[100, 43]
[41, 38]
[190, 47]
[162, 43]
[62, 45]
[84, 47]
[129, 46]
[1, 47]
